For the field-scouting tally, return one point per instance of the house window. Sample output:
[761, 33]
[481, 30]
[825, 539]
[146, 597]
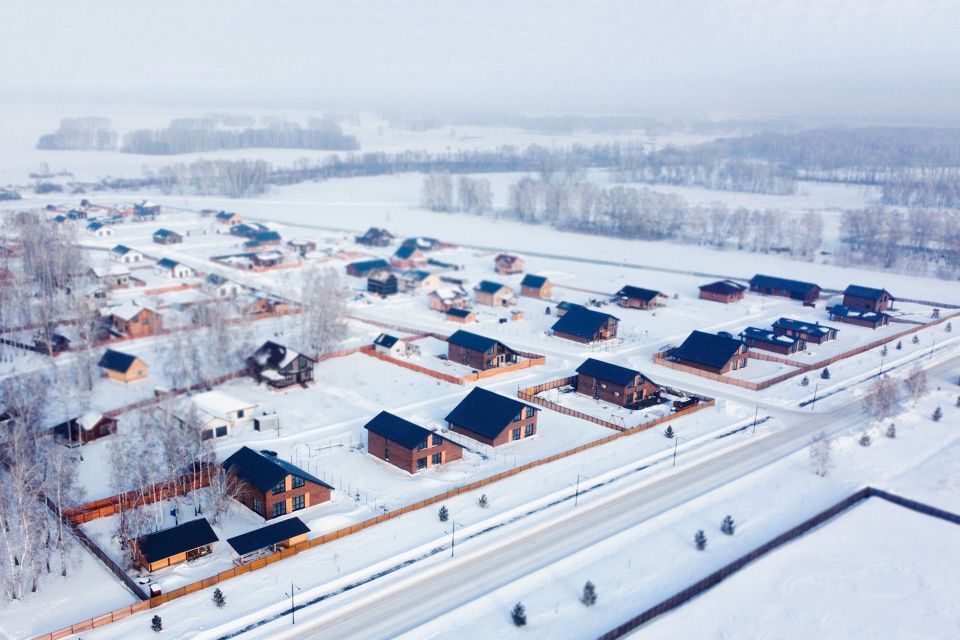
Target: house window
[437, 440]
[240, 414]
[421, 445]
[421, 463]
[516, 434]
[279, 508]
[221, 431]
[303, 363]
[296, 482]
[206, 434]
[616, 394]
[258, 505]
[280, 487]
[528, 430]
[299, 502]
[436, 458]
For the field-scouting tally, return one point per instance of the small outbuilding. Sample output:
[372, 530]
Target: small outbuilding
[639, 298]
[536, 286]
[90, 426]
[506, 264]
[757, 338]
[725, 291]
[859, 317]
[493, 294]
[389, 345]
[269, 539]
[187, 541]
[123, 367]
[808, 331]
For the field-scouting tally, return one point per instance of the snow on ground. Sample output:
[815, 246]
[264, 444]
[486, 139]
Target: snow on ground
[878, 565]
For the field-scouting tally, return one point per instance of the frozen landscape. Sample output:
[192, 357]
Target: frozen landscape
[619, 321]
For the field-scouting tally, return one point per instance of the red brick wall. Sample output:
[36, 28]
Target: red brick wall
[406, 459]
[719, 297]
[505, 436]
[315, 494]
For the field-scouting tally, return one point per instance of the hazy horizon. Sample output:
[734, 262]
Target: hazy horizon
[859, 62]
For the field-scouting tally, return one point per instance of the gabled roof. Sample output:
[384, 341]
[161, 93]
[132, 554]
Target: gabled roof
[722, 287]
[866, 292]
[608, 371]
[381, 275]
[812, 328]
[417, 275]
[128, 310]
[95, 226]
[110, 270]
[116, 361]
[396, 429]
[473, 341]
[180, 539]
[639, 293]
[582, 322]
[167, 263]
[268, 536]
[386, 340]
[459, 313]
[507, 258]
[164, 233]
[847, 312]
[277, 356]
[370, 265]
[532, 281]
[405, 251]
[488, 286]
[708, 349]
[122, 250]
[486, 413]
[225, 215]
[219, 404]
[773, 282]
[762, 335]
[263, 470]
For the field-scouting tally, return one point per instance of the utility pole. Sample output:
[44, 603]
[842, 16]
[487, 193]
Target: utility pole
[676, 443]
[293, 611]
[753, 432]
[576, 495]
[453, 539]
[814, 403]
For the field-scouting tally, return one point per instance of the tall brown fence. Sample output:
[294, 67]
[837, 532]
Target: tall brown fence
[306, 545]
[446, 377]
[160, 491]
[661, 359]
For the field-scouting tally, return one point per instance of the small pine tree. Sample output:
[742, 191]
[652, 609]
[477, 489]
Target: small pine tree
[589, 597]
[949, 327]
[937, 414]
[483, 502]
[899, 345]
[728, 527]
[700, 540]
[218, 598]
[915, 339]
[892, 431]
[156, 624]
[805, 381]
[825, 374]
[519, 615]
[443, 514]
[865, 440]
[669, 432]
[884, 351]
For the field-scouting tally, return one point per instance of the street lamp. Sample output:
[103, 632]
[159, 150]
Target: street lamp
[576, 495]
[453, 539]
[755, 414]
[293, 612]
[814, 402]
[676, 443]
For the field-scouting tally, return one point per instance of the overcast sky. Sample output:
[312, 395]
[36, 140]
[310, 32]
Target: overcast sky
[879, 60]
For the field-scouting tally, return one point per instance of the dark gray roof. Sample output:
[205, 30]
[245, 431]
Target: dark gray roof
[267, 536]
[370, 265]
[489, 286]
[262, 236]
[708, 349]
[180, 539]
[583, 322]
[608, 371]
[847, 312]
[273, 355]
[472, 341]
[163, 233]
[638, 293]
[405, 251]
[773, 282]
[459, 313]
[225, 215]
[386, 340]
[121, 249]
[762, 335]
[396, 429]
[116, 361]
[722, 287]
[486, 413]
[532, 281]
[263, 470]
[167, 263]
[866, 292]
[811, 328]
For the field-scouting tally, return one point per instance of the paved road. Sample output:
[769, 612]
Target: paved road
[374, 612]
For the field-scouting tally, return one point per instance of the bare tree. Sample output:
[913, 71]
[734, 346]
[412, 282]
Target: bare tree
[916, 383]
[881, 398]
[820, 454]
[324, 305]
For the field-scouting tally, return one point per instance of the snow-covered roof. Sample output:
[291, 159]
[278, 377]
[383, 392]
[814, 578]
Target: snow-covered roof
[219, 404]
[125, 311]
[111, 270]
[89, 420]
[451, 293]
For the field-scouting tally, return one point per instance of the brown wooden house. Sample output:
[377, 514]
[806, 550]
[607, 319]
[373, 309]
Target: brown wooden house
[493, 419]
[709, 352]
[536, 286]
[272, 486]
[187, 541]
[639, 298]
[461, 316]
[134, 321]
[615, 384]
[859, 317]
[493, 294]
[407, 445]
[90, 426]
[725, 291]
[228, 218]
[123, 367]
[280, 366]
[757, 338]
[506, 264]
[166, 236]
[807, 292]
[408, 257]
[866, 298]
[585, 325]
[375, 237]
[364, 268]
[478, 352]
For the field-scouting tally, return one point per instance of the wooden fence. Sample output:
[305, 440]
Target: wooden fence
[721, 574]
[660, 358]
[452, 379]
[306, 545]
[160, 397]
[160, 491]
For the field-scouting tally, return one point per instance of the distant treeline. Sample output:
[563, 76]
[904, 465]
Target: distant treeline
[80, 134]
[194, 137]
